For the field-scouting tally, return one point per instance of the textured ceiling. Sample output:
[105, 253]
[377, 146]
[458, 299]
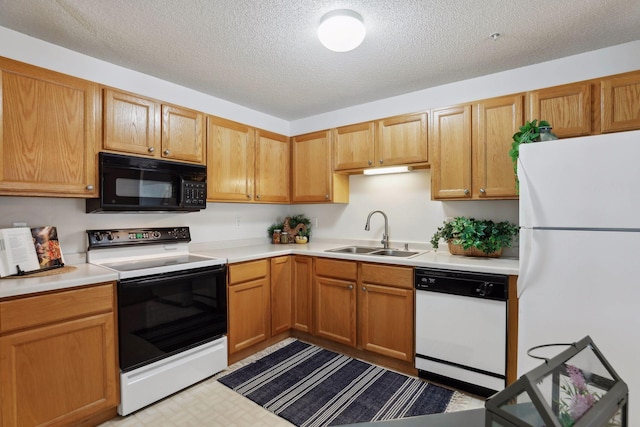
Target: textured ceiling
[264, 54]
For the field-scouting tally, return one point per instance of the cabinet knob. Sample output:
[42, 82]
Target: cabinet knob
[258, 196]
[151, 149]
[167, 152]
[381, 161]
[350, 286]
[364, 288]
[89, 187]
[326, 196]
[249, 196]
[482, 191]
[466, 191]
[370, 162]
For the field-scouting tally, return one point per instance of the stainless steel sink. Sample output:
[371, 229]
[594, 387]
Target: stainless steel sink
[394, 252]
[354, 250]
[368, 250]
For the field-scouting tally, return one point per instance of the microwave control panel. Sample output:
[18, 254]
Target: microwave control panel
[195, 194]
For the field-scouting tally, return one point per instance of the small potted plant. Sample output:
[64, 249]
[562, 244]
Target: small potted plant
[529, 132]
[472, 237]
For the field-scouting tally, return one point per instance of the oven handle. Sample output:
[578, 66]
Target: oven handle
[189, 274]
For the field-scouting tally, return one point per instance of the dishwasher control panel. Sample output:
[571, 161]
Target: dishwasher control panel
[463, 283]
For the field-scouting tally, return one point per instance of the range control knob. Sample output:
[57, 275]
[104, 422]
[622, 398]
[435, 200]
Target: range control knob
[98, 237]
[109, 236]
[155, 234]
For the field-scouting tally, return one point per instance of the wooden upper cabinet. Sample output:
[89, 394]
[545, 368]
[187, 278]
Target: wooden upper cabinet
[402, 140]
[567, 108]
[312, 177]
[620, 102]
[273, 165]
[495, 122]
[451, 145]
[131, 123]
[230, 160]
[183, 134]
[49, 132]
[353, 146]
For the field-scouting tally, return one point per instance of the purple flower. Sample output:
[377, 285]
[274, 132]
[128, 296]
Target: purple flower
[577, 379]
[579, 404]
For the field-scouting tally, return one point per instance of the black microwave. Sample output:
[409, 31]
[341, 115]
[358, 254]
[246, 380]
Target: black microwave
[138, 184]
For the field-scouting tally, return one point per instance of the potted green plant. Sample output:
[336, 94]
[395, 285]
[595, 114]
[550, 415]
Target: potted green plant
[473, 237]
[529, 132]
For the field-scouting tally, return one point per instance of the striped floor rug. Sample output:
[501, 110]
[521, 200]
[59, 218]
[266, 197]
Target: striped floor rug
[311, 386]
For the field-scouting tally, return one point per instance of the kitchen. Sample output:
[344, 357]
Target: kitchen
[412, 215]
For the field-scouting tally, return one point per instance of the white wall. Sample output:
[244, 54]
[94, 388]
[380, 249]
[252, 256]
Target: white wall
[404, 198]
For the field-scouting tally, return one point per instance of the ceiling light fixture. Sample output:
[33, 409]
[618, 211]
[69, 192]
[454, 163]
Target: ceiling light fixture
[382, 171]
[341, 30]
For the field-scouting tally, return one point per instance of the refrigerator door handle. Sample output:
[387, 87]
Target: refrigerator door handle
[524, 261]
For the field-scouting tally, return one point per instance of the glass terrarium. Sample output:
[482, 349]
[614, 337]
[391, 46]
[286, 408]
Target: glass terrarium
[576, 388]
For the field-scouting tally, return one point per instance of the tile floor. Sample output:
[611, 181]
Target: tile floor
[210, 403]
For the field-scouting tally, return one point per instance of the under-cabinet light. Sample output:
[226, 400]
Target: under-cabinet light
[392, 169]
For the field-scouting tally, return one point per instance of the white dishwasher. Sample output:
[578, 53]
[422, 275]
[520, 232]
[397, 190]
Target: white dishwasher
[461, 329]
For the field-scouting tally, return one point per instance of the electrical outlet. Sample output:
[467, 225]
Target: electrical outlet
[19, 224]
[237, 222]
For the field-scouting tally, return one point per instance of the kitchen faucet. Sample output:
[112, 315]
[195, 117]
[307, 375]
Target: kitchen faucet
[385, 236]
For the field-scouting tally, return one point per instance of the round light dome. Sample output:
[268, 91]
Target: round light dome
[341, 30]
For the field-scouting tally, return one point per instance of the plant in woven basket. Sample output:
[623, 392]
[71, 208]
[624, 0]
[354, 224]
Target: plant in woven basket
[484, 235]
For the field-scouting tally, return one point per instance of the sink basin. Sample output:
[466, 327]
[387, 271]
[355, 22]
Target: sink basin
[354, 250]
[394, 252]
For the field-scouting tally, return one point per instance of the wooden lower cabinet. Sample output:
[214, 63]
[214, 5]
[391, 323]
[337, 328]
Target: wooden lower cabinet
[386, 310]
[248, 304]
[280, 294]
[363, 305]
[301, 289]
[58, 357]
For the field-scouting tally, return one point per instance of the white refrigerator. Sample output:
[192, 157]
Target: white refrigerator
[580, 250]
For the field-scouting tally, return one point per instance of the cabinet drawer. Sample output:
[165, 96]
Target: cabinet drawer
[45, 309]
[400, 277]
[239, 273]
[339, 269]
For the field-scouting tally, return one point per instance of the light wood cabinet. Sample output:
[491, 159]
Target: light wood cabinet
[302, 290]
[620, 102]
[471, 146]
[145, 127]
[281, 294]
[249, 307]
[385, 310]
[494, 123]
[354, 146]
[58, 361]
[245, 164]
[312, 177]
[402, 140]
[335, 300]
[567, 108]
[49, 132]
[451, 146]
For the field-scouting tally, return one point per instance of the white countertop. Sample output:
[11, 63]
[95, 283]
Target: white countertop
[84, 274]
[233, 252]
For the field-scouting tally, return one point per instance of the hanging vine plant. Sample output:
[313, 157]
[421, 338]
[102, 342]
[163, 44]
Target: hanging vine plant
[529, 132]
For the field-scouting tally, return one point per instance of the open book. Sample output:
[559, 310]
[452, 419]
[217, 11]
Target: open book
[27, 250]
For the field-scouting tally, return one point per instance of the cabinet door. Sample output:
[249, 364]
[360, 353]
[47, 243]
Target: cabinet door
[621, 103]
[59, 374]
[335, 310]
[249, 320]
[131, 123]
[49, 132]
[182, 134]
[451, 144]
[272, 167]
[312, 179]
[353, 146]
[230, 161]
[386, 320]
[496, 120]
[302, 293]
[280, 294]
[402, 140]
[567, 108]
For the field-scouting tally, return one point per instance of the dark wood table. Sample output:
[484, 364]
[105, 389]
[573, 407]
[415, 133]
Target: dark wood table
[469, 418]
